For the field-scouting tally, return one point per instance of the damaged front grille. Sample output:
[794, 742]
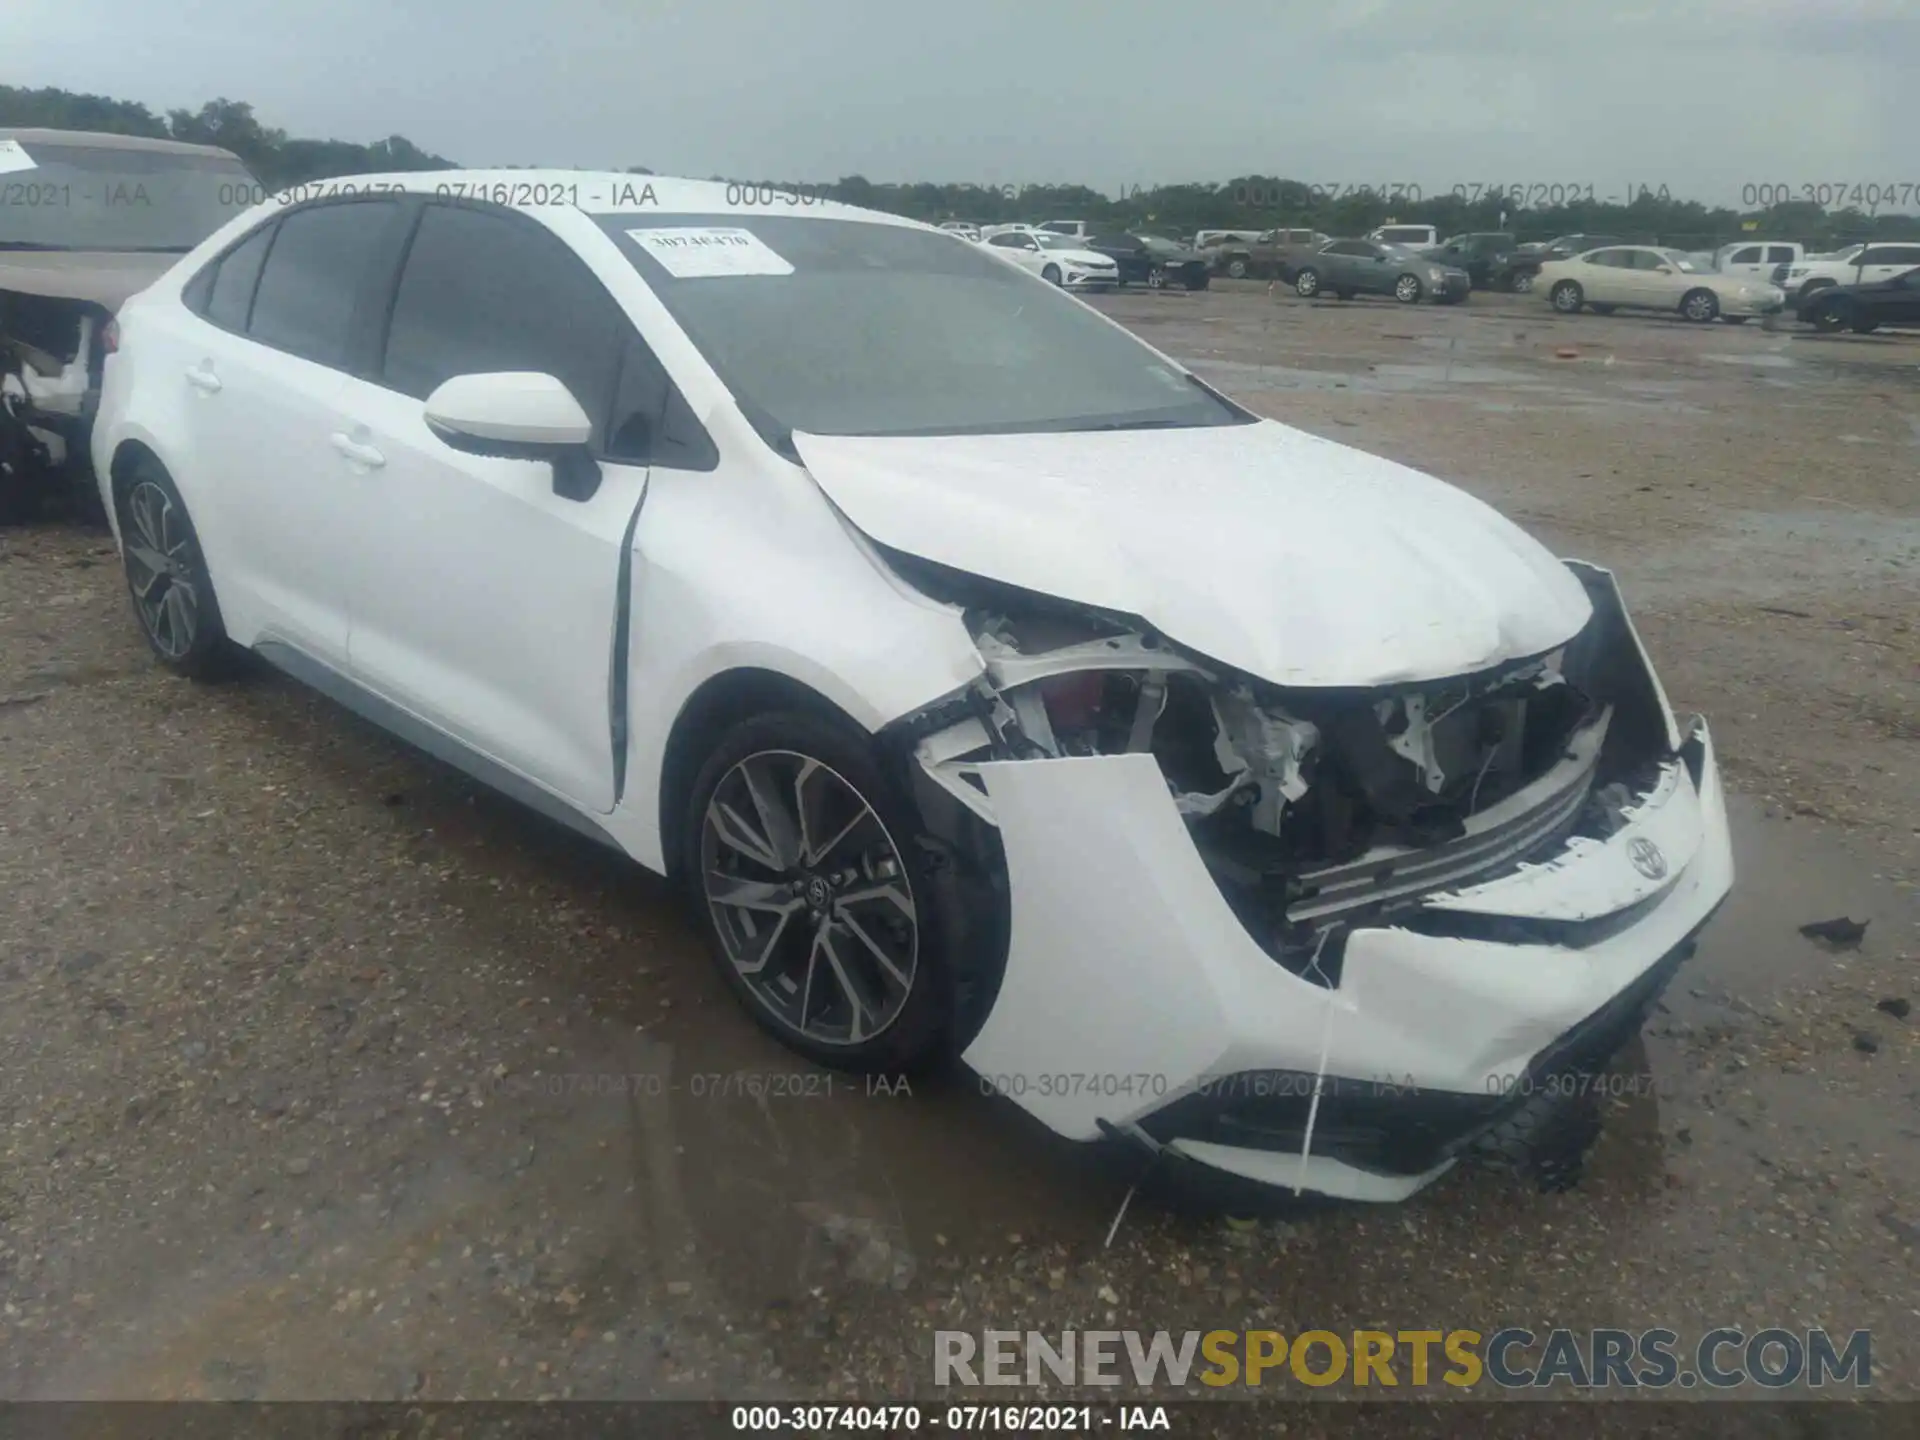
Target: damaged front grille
[1316, 811]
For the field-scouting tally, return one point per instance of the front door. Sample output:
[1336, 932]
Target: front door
[486, 603]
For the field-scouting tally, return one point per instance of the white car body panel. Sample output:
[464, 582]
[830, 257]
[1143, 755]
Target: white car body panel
[1859, 265]
[1243, 542]
[485, 611]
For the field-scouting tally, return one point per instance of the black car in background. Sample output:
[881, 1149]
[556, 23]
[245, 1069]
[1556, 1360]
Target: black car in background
[1154, 261]
[1486, 256]
[1866, 307]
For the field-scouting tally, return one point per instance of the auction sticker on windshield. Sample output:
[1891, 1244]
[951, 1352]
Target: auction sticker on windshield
[697, 252]
[13, 158]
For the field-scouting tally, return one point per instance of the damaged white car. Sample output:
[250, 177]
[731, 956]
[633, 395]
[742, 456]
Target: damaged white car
[995, 687]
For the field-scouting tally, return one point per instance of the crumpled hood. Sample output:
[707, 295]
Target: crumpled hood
[108, 278]
[1284, 555]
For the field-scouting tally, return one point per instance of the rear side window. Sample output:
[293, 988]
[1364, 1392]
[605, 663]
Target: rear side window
[1748, 256]
[1892, 255]
[1780, 254]
[234, 280]
[482, 292]
[318, 261]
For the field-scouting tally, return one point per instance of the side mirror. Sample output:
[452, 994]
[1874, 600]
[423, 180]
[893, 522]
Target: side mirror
[518, 415]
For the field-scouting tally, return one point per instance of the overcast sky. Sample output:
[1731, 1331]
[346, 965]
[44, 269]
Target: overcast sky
[1704, 96]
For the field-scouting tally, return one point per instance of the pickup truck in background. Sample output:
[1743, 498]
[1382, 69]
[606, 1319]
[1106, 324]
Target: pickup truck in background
[1269, 255]
[1862, 265]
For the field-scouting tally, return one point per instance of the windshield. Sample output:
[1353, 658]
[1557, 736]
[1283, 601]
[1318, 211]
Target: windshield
[98, 197]
[1685, 264]
[846, 327]
[1058, 242]
[1400, 252]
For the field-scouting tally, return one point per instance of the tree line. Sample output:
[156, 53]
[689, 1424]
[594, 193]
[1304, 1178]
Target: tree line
[1249, 202]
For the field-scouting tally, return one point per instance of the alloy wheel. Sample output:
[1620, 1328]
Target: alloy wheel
[161, 570]
[1523, 282]
[1701, 306]
[1406, 289]
[810, 898]
[1307, 283]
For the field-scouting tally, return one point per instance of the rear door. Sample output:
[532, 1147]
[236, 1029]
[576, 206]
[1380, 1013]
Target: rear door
[1604, 278]
[1883, 262]
[486, 603]
[265, 370]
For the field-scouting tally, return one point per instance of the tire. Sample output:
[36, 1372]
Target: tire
[1521, 282]
[172, 594]
[892, 1026]
[1237, 267]
[1567, 297]
[1700, 306]
[1307, 283]
[1602, 309]
[1810, 289]
[1832, 317]
[1157, 278]
[1865, 325]
[1408, 290]
[1051, 274]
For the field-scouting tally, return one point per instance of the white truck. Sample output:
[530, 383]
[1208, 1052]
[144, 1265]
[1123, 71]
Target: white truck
[1859, 265]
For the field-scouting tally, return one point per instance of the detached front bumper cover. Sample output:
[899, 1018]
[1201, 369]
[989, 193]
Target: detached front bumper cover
[1135, 1001]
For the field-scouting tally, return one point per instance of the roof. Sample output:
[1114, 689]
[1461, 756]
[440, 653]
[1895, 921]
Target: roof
[604, 192]
[106, 140]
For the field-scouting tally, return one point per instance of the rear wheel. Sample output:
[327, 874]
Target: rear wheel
[1567, 297]
[819, 907]
[1700, 306]
[1831, 317]
[1307, 283]
[167, 575]
[1237, 267]
[1157, 278]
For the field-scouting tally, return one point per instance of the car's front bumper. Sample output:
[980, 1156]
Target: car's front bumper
[1135, 1002]
[1094, 280]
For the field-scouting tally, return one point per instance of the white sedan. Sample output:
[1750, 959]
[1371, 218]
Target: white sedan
[1056, 258]
[991, 685]
[1644, 277]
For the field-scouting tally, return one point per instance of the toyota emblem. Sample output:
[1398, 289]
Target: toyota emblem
[1647, 859]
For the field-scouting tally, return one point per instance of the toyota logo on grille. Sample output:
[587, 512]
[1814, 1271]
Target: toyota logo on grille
[1647, 859]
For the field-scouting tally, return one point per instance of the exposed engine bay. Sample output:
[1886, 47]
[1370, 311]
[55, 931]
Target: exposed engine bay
[1314, 810]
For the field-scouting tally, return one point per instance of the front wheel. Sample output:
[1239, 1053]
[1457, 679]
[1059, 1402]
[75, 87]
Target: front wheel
[1237, 267]
[1521, 282]
[1307, 283]
[1051, 274]
[167, 576]
[1567, 297]
[1831, 318]
[1700, 306]
[818, 905]
[1407, 290]
[1157, 278]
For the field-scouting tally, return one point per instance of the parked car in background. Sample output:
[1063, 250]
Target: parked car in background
[1645, 277]
[1861, 265]
[1758, 259]
[1346, 268]
[1055, 258]
[1207, 239]
[1865, 308]
[1269, 255]
[965, 229]
[1486, 256]
[1154, 261]
[1414, 237]
[86, 220]
[1012, 227]
[1524, 268]
[1284, 759]
[1073, 229]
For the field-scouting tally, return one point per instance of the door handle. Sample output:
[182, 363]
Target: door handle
[203, 379]
[356, 452]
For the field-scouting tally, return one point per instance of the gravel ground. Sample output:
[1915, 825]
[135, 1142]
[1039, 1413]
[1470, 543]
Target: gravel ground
[325, 1075]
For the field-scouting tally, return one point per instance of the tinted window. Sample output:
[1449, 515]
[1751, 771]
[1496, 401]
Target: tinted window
[1349, 247]
[1893, 255]
[650, 422]
[1749, 256]
[484, 292]
[304, 303]
[1612, 259]
[234, 279]
[1780, 254]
